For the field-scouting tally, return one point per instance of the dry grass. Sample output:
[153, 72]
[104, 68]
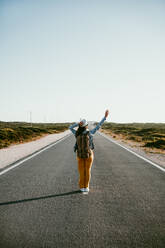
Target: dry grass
[20, 132]
[148, 136]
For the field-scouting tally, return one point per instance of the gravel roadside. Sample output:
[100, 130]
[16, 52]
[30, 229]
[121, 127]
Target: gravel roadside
[13, 153]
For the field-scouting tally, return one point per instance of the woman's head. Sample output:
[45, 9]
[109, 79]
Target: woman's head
[83, 125]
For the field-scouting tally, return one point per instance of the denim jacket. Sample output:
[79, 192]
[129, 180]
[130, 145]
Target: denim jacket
[91, 132]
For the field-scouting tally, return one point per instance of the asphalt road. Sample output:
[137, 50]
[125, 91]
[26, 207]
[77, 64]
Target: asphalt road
[40, 205]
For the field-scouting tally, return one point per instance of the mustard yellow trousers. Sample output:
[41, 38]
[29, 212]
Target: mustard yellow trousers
[84, 167]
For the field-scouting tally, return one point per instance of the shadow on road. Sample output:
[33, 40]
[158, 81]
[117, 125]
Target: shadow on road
[40, 198]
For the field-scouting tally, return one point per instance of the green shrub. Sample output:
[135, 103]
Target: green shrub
[156, 144]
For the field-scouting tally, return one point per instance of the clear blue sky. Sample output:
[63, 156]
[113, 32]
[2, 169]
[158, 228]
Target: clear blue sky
[70, 59]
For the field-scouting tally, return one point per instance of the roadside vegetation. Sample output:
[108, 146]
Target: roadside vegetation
[149, 135]
[19, 132]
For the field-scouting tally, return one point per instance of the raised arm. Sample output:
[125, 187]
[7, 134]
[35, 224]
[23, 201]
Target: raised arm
[72, 128]
[93, 131]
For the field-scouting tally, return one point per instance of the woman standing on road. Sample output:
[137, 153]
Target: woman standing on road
[84, 148]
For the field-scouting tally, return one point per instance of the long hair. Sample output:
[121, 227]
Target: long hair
[80, 130]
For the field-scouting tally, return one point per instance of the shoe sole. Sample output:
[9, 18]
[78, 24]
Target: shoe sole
[85, 193]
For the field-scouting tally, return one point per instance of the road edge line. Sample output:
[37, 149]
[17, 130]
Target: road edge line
[136, 154]
[17, 163]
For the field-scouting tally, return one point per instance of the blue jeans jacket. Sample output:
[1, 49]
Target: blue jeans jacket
[91, 132]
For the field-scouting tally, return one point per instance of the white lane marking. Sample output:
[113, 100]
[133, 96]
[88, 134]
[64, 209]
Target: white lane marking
[33, 155]
[145, 159]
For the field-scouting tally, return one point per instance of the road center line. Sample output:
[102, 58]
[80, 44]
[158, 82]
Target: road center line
[33, 155]
[145, 159]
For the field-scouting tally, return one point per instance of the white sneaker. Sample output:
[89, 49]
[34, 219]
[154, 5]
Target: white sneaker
[86, 189]
[82, 189]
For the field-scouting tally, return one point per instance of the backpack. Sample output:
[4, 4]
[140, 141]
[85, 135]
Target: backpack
[82, 145]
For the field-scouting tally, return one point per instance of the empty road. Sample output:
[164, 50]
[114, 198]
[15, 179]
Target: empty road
[41, 207]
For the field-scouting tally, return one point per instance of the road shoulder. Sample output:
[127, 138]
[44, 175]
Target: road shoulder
[17, 152]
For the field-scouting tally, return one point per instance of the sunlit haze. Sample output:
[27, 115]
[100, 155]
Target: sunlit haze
[63, 60]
